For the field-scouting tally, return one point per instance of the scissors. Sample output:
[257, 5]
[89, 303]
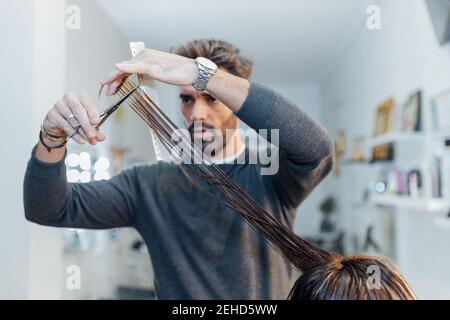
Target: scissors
[109, 111]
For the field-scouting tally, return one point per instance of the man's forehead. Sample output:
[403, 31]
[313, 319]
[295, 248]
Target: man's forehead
[190, 90]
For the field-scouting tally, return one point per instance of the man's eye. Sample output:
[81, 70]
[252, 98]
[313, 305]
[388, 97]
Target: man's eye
[186, 100]
[211, 99]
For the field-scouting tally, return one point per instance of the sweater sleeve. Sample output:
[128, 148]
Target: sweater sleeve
[305, 154]
[50, 200]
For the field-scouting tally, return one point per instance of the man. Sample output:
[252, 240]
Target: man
[200, 248]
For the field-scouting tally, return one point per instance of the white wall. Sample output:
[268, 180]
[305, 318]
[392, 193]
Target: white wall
[46, 266]
[13, 229]
[401, 57]
[36, 49]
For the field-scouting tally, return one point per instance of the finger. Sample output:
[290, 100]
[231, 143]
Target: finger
[113, 83]
[134, 67]
[50, 123]
[112, 88]
[81, 114]
[58, 120]
[77, 138]
[91, 108]
[112, 76]
[81, 132]
[64, 110]
[125, 68]
[100, 136]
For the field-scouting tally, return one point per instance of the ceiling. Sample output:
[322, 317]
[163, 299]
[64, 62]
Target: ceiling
[288, 40]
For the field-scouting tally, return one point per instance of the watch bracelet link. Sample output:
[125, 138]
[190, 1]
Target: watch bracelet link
[202, 79]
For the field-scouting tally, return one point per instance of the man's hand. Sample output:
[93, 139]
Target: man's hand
[180, 71]
[69, 112]
[152, 64]
[63, 119]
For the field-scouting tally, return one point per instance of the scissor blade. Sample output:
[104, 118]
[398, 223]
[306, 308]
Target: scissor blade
[110, 110]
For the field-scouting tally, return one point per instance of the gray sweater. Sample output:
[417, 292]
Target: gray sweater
[200, 248]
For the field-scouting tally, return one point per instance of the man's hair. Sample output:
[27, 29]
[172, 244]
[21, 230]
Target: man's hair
[222, 53]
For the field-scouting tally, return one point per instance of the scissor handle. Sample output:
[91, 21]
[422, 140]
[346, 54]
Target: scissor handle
[108, 112]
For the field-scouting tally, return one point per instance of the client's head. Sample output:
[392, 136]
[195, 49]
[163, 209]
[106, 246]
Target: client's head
[326, 275]
[358, 277]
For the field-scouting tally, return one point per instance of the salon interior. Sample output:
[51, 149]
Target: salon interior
[375, 73]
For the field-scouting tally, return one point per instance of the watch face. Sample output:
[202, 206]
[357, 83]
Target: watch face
[207, 63]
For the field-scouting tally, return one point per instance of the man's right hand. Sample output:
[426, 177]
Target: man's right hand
[63, 119]
[68, 113]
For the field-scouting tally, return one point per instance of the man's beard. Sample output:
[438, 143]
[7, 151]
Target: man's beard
[216, 144]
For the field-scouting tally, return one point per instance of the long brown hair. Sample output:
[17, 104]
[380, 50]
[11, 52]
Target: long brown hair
[326, 275]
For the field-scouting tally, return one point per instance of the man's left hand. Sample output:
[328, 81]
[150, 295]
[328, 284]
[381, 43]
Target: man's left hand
[157, 65]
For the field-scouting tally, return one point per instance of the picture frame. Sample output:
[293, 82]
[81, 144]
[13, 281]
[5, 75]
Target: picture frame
[440, 111]
[358, 149]
[340, 149]
[341, 143]
[383, 152]
[411, 113]
[384, 117]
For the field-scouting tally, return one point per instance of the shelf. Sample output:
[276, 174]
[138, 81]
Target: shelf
[351, 162]
[395, 137]
[418, 204]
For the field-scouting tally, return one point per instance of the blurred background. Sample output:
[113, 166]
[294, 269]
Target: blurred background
[375, 73]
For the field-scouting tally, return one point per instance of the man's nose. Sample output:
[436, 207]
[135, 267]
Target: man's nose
[199, 111]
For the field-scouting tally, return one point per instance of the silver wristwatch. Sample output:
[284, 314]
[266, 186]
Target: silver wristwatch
[206, 69]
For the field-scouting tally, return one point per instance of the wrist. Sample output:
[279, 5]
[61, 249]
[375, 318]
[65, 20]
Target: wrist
[192, 71]
[47, 142]
[51, 142]
[205, 71]
[54, 156]
[229, 89]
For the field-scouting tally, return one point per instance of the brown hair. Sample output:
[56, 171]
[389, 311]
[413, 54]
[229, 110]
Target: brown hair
[222, 53]
[326, 275]
[359, 277]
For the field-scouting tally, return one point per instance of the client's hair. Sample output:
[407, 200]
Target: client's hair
[359, 277]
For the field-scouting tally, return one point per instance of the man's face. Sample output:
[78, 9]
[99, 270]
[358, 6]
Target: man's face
[205, 117]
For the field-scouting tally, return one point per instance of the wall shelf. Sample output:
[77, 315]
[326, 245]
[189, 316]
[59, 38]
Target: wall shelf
[417, 204]
[395, 137]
